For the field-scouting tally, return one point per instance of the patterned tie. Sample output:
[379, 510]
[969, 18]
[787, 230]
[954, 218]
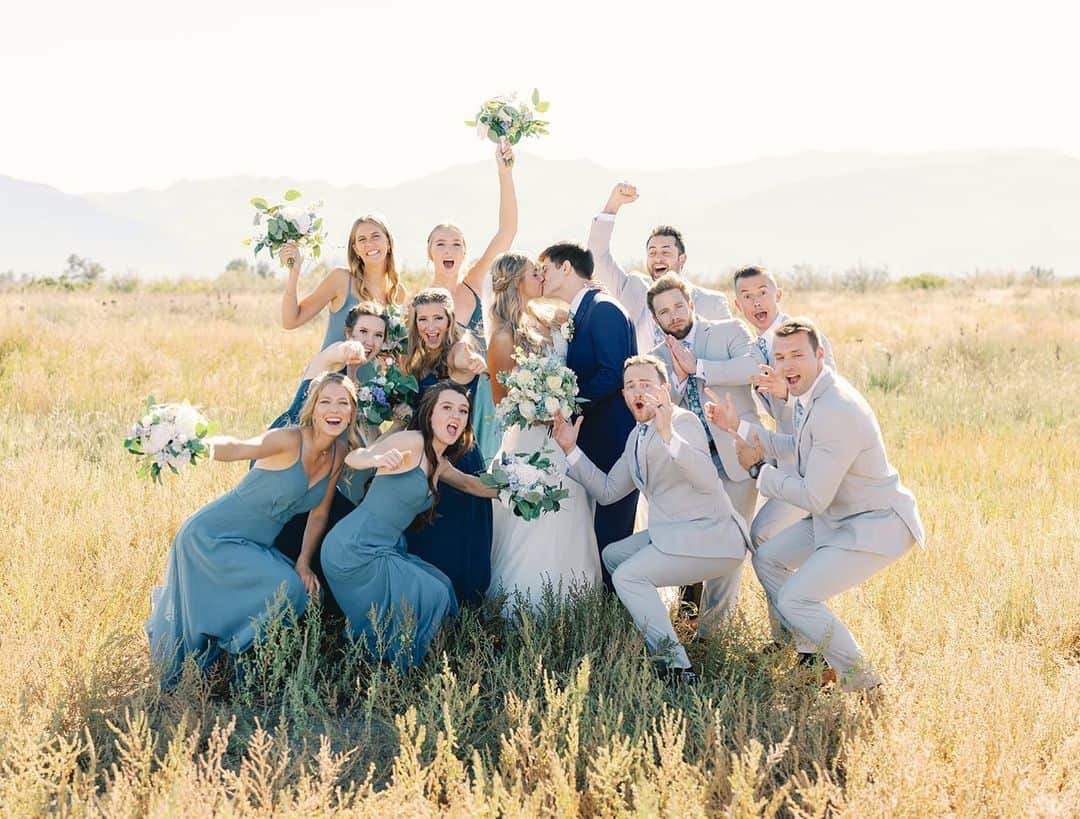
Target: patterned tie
[642, 431]
[693, 400]
[799, 411]
[763, 345]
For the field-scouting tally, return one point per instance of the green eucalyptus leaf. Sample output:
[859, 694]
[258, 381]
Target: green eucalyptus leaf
[292, 195]
[260, 203]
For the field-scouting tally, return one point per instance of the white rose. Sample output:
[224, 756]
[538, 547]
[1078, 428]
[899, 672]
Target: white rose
[300, 219]
[566, 409]
[186, 419]
[364, 394]
[527, 410]
[160, 436]
[554, 382]
[551, 404]
[525, 378]
[529, 474]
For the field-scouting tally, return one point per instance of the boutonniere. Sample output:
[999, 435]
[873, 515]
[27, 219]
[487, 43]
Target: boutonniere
[567, 329]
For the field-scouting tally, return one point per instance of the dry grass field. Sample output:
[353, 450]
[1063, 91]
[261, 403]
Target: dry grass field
[977, 391]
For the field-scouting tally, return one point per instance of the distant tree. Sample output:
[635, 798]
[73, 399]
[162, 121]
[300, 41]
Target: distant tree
[238, 266]
[263, 270]
[80, 271]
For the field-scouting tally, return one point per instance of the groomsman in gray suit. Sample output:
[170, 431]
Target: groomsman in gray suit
[665, 252]
[861, 517]
[757, 298]
[719, 354]
[693, 533]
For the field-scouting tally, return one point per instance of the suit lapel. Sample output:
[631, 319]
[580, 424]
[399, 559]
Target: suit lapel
[822, 385]
[701, 338]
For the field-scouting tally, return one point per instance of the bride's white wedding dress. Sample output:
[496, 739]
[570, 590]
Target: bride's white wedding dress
[558, 548]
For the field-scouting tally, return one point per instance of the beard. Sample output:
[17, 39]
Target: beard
[681, 334]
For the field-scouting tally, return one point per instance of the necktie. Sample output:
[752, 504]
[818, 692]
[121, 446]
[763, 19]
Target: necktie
[658, 334]
[693, 400]
[642, 431]
[763, 345]
[799, 412]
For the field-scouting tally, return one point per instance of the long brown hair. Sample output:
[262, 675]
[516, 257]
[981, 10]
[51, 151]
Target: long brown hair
[395, 293]
[508, 311]
[421, 422]
[419, 361]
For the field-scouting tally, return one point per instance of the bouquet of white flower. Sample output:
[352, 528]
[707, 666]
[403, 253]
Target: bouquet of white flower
[277, 224]
[168, 435]
[397, 332]
[501, 117]
[377, 399]
[536, 390]
[528, 483]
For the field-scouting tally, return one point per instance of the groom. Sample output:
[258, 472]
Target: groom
[601, 339]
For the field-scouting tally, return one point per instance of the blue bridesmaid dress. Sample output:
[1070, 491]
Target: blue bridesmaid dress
[368, 568]
[486, 426]
[223, 574]
[335, 327]
[458, 542]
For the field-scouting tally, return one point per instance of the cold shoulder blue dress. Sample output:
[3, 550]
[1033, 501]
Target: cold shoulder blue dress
[381, 588]
[223, 575]
[458, 542]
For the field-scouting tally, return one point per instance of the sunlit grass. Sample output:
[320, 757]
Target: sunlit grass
[979, 636]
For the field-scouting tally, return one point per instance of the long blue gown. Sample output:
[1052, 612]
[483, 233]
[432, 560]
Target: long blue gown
[370, 572]
[486, 426]
[222, 572]
[458, 542]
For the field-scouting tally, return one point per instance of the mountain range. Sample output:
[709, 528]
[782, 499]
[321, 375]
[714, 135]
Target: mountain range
[950, 213]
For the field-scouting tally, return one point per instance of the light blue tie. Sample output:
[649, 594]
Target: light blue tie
[642, 431]
[799, 412]
[658, 333]
[763, 345]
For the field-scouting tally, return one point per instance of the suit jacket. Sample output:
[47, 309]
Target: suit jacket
[603, 339]
[689, 512]
[843, 477]
[729, 362]
[631, 288]
[780, 410]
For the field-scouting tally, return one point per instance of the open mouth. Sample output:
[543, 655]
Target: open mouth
[639, 406]
[432, 340]
[452, 429]
[792, 380]
[760, 315]
[659, 270]
[334, 422]
[371, 253]
[448, 264]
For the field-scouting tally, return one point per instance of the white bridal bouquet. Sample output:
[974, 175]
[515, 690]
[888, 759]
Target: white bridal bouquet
[168, 436]
[536, 390]
[397, 331]
[507, 117]
[528, 483]
[277, 224]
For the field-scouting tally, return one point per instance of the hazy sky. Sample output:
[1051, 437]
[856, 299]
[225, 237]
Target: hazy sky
[114, 94]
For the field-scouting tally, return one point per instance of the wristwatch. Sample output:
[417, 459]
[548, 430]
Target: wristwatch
[755, 469]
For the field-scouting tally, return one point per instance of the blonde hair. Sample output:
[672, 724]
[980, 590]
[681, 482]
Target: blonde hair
[419, 361]
[508, 310]
[395, 293]
[306, 418]
[444, 226]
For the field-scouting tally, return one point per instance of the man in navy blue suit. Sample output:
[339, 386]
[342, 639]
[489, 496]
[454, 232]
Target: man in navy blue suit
[602, 338]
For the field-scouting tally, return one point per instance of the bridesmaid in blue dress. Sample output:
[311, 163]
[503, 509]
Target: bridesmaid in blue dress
[396, 602]
[459, 539]
[355, 352]
[446, 250]
[371, 276]
[222, 576]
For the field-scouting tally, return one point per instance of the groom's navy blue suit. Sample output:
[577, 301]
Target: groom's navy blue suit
[603, 339]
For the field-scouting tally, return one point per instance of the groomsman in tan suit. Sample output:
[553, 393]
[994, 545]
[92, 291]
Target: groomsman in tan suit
[719, 354]
[665, 253]
[693, 533]
[757, 298]
[861, 518]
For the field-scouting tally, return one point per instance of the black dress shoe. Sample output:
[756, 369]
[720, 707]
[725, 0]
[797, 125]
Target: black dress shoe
[675, 676]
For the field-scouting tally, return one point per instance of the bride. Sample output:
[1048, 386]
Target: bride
[559, 548]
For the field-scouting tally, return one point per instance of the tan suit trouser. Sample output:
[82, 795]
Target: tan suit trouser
[638, 569]
[798, 577]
